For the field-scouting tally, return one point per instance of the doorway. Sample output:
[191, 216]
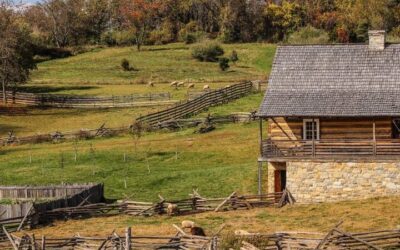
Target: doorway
[280, 180]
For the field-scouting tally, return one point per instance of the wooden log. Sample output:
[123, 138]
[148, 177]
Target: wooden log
[224, 202]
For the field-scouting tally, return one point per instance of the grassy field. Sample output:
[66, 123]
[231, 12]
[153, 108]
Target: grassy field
[98, 73]
[94, 71]
[168, 163]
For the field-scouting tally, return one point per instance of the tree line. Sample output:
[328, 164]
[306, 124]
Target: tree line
[125, 22]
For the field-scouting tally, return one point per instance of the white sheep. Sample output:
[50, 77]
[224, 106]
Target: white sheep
[241, 233]
[173, 84]
[206, 87]
[150, 84]
[172, 209]
[187, 224]
[180, 84]
[227, 86]
[191, 86]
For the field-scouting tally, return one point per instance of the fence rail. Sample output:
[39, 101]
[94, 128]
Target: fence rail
[385, 149]
[336, 239]
[128, 241]
[198, 104]
[72, 101]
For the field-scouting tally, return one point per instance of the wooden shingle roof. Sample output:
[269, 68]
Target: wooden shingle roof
[333, 80]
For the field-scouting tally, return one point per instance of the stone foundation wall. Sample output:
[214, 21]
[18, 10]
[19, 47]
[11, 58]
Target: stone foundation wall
[332, 181]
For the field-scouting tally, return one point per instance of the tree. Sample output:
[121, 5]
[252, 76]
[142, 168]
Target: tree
[234, 57]
[223, 63]
[16, 56]
[141, 15]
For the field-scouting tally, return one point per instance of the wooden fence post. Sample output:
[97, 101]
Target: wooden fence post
[43, 242]
[128, 238]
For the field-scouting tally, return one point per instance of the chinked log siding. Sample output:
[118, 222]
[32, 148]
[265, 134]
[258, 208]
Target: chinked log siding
[292, 129]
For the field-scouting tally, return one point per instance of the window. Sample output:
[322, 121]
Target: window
[310, 129]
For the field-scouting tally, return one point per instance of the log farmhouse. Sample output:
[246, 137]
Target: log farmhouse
[332, 115]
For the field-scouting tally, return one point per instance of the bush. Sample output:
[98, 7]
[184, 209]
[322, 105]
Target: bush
[234, 56]
[394, 35]
[118, 38]
[224, 63]
[207, 51]
[189, 38]
[163, 35]
[107, 38]
[125, 65]
[309, 35]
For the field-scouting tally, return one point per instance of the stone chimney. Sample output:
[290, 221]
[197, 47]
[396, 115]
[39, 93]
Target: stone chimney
[377, 39]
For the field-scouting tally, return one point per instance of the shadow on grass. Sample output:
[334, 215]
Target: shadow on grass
[51, 89]
[163, 49]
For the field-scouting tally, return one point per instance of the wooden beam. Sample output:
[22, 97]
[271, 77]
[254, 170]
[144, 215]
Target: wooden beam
[260, 173]
[225, 201]
[23, 220]
[10, 239]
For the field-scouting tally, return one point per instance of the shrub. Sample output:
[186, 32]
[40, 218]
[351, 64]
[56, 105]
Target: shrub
[118, 38]
[125, 65]
[394, 35]
[234, 57]
[207, 51]
[163, 35]
[107, 38]
[223, 63]
[309, 35]
[189, 38]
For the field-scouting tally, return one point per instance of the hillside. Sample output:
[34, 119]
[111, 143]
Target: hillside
[98, 73]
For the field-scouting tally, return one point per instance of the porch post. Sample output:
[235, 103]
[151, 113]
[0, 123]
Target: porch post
[260, 174]
[261, 137]
[374, 136]
[313, 139]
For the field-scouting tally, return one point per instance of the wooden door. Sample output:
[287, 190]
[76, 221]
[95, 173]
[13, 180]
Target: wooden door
[280, 180]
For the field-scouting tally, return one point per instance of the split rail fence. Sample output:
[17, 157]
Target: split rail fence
[194, 204]
[335, 239]
[198, 104]
[72, 101]
[128, 241]
[104, 131]
[168, 118]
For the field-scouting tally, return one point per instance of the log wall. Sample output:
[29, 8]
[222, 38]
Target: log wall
[284, 129]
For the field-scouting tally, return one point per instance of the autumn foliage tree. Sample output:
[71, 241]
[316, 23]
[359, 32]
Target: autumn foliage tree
[141, 15]
[16, 54]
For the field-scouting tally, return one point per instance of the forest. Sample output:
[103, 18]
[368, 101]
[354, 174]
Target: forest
[63, 23]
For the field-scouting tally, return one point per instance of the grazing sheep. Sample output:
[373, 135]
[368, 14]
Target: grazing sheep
[187, 224]
[174, 84]
[227, 86]
[241, 233]
[150, 84]
[172, 209]
[206, 87]
[180, 84]
[198, 231]
[191, 86]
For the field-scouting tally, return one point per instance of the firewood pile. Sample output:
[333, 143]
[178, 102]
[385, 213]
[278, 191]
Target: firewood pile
[180, 240]
[334, 239]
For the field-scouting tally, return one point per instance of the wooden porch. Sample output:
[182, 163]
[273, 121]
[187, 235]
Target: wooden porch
[385, 149]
